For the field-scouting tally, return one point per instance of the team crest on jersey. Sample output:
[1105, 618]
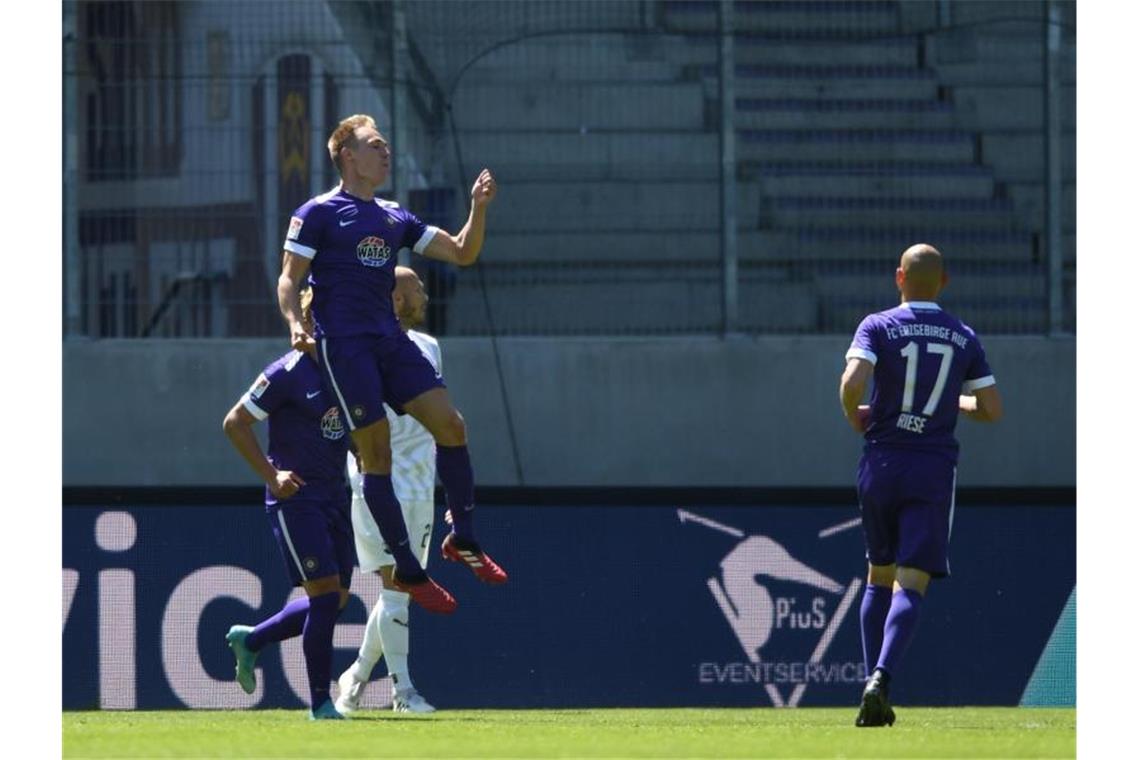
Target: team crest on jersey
[295, 225]
[373, 251]
[331, 426]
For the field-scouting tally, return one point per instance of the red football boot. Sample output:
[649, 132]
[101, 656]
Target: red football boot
[485, 568]
[427, 594]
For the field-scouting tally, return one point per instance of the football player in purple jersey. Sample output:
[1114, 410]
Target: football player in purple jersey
[928, 367]
[387, 633]
[306, 501]
[345, 242]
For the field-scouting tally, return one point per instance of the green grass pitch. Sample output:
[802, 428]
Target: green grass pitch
[713, 733]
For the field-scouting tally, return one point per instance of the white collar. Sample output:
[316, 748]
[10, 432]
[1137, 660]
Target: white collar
[923, 305]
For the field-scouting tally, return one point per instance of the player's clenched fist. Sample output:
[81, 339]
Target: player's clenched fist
[484, 189]
[300, 339]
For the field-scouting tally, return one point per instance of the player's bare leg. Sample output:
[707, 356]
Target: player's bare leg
[375, 452]
[912, 579]
[433, 409]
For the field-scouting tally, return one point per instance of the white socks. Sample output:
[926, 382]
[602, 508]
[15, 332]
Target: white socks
[372, 648]
[386, 635]
[392, 624]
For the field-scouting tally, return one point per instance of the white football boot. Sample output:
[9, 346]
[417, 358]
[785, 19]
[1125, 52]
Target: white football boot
[410, 701]
[351, 690]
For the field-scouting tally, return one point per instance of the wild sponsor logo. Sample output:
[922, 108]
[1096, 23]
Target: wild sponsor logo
[784, 613]
[331, 426]
[372, 251]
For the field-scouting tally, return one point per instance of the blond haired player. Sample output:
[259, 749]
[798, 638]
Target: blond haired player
[344, 243]
[413, 477]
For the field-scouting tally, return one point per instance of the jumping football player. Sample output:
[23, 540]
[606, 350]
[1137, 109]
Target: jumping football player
[345, 242]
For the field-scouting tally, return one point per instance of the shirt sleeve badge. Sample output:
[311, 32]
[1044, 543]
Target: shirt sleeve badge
[295, 225]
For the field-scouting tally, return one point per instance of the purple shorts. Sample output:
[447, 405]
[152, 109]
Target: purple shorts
[315, 538]
[366, 371]
[907, 502]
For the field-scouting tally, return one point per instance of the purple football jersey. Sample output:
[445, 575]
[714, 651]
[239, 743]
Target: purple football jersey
[923, 357]
[352, 243]
[306, 433]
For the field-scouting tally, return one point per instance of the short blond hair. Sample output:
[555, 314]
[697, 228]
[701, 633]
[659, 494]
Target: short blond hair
[345, 135]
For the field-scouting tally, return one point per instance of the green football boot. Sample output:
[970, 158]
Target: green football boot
[246, 677]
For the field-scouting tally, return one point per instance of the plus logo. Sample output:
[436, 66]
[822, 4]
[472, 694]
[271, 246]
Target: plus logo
[785, 614]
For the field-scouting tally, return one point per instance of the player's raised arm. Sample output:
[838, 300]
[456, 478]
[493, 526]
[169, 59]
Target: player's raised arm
[852, 385]
[294, 269]
[463, 248]
[983, 406]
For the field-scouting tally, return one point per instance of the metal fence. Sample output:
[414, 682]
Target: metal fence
[664, 167]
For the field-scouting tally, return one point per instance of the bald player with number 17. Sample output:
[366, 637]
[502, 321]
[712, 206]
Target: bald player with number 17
[920, 357]
[345, 242]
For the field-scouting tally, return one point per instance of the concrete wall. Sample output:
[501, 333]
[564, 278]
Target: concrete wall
[594, 412]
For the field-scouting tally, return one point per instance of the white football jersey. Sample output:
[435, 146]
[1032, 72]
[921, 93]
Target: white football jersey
[413, 448]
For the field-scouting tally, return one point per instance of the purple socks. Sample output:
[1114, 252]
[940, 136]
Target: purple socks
[317, 641]
[284, 625]
[313, 618]
[902, 620]
[872, 618]
[453, 464]
[385, 509]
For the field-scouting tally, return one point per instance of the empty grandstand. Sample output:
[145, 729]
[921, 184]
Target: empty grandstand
[629, 140]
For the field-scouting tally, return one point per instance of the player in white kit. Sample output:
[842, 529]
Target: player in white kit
[413, 477]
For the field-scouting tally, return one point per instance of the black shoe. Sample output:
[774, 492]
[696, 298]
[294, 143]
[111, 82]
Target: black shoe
[875, 710]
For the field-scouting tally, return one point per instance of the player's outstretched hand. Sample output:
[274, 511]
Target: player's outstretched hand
[301, 340]
[285, 484]
[484, 189]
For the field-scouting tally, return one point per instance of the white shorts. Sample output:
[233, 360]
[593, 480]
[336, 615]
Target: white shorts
[371, 552]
